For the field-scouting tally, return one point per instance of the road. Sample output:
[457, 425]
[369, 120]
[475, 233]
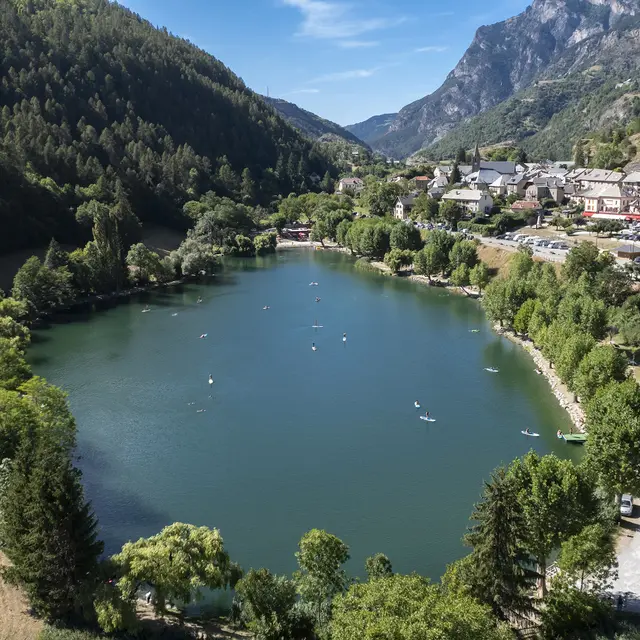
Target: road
[628, 582]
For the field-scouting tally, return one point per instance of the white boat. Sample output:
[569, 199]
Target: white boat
[530, 434]
[416, 405]
[491, 369]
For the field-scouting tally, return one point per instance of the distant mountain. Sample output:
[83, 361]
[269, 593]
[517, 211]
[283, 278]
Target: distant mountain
[373, 128]
[551, 41]
[310, 124]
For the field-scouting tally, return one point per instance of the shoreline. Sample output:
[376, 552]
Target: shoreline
[564, 397]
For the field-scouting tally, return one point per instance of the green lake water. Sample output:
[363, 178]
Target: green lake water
[293, 439]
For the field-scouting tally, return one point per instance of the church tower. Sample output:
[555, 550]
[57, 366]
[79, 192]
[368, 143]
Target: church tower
[475, 163]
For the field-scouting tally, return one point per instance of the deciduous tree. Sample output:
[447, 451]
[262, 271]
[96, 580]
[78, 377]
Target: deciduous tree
[409, 608]
[179, 562]
[600, 366]
[321, 576]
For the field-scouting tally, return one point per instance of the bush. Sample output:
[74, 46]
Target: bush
[485, 230]
[265, 243]
[364, 264]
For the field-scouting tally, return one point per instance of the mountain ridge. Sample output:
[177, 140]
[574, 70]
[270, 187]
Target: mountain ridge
[311, 124]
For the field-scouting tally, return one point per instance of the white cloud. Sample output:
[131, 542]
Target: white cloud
[334, 20]
[304, 91]
[357, 44]
[347, 75]
[431, 49]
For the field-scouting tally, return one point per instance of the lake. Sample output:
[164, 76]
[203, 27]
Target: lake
[292, 439]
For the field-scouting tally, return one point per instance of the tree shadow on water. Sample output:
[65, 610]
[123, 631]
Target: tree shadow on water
[125, 514]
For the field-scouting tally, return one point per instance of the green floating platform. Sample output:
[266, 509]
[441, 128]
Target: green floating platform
[577, 438]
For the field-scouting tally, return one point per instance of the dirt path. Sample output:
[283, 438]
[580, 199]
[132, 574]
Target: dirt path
[15, 621]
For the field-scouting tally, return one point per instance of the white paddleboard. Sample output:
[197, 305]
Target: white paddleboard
[416, 405]
[532, 435]
[427, 419]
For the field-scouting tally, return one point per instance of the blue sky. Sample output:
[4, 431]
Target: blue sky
[345, 60]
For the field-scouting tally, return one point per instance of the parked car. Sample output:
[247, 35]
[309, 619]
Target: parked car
[626, 504]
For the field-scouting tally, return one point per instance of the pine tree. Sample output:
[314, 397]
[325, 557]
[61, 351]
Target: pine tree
[247, 187]
[327, 183]
[48, 530]
[501, 574]
[55, 257]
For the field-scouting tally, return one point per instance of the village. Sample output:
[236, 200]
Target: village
[478, 188]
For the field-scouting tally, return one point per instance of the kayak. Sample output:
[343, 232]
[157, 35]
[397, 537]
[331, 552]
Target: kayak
[427, 419]
[533, 435]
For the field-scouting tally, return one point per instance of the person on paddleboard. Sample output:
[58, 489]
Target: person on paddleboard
[426, 415]
[527, 431]
[210, 379]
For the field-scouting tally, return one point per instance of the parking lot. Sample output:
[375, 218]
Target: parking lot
[541, 246]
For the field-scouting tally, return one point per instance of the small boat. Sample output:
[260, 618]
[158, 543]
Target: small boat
[204, 335]
[146, 310]
[344, 337]
[427, 419]
[530, 434]
[200, 410]
[538, 371]
[317, 299]
[173, 315]
[313, 284]
[474, 330]
[491, 369]
[416, 404]
[210, 379]
[313, 347]
[266, 308]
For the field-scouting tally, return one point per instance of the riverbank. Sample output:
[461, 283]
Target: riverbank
[558, 388]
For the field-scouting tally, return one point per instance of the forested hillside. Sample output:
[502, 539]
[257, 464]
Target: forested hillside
[310, 124]
[95, 103]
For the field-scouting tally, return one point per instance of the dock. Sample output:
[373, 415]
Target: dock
[575, 438]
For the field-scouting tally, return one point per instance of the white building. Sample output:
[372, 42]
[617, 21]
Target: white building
[350, 184]
[472, 200]
[403, 206]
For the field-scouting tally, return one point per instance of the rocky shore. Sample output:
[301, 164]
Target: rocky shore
[560, 391]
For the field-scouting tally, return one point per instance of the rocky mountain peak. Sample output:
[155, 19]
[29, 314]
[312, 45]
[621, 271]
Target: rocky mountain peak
[504, 58]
